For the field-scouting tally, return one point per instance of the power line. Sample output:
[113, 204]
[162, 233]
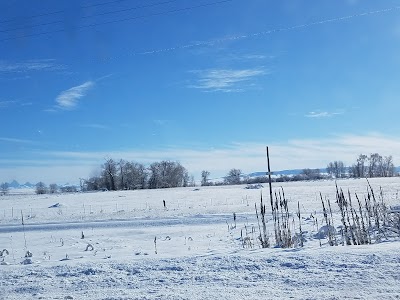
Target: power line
[30, 26]
[91, 16]
[260, 33]
[104, 3]
[60, 11]
[251, 35]
[34, 16]
[121, 20]
[130, 8]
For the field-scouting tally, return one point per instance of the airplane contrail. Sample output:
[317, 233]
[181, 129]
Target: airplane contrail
[271, 31]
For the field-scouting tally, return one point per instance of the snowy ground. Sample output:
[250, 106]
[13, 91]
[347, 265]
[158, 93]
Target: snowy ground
[199, 252]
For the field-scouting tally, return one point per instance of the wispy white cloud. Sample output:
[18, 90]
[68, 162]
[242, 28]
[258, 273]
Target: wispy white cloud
[11, 103]
[15, 140]
[322, 114]
[161, 122]
[226, 80]
[242, 57]
[104, 77]
[7, 77]
[68, 99]
[50, 110]
[248, 156]
[5, 104]
[30, 65]
[257, 56]
[95, 126]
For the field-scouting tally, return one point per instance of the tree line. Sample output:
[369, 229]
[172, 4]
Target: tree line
[370, 166]
[126, 175]
[53, 188]
[236, 176]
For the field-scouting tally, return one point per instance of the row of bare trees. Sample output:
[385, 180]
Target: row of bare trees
[365, 166]
[41, 188]
[234, 176]
[373, 165]
[126, 175]
[4, 188]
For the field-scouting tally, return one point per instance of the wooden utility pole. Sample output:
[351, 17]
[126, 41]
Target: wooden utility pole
[269, 179]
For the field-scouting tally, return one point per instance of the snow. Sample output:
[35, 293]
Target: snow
[200, 254]
[323, 232]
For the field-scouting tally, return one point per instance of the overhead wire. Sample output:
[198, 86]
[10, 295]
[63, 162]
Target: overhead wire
[90, 16]
[255, 34]
[250, 35]
[60, 11]
[34, 16]
[130, 8]
[220, 40]
[102, 3]
[78, 28]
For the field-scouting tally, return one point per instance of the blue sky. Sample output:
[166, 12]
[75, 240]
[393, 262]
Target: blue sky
[208, 83]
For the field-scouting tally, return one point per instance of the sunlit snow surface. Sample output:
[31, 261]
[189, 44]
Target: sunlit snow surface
[199, 253]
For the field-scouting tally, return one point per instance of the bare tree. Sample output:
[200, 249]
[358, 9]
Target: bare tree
[53, 188]
[340, 169]
[122, 172]
[82, 185]
[155, 176]
[4, 187]
[135, 176]
[388, 165]
[94, 183]
[192, 182]
[233, 176]
[353, 171]
[310, 174]
[69, 189]
[186, 178]
[330, 169]
[132, 175]
[359, 169]
[375, 165]
[41, 188]
[110, 174]
[204, 177]
[336, 169]
[166, 174]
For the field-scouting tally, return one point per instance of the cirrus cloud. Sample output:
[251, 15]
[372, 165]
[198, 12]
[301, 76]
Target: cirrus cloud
[68, 99]
[247, 156]
[322, 114]
[226, 80]
[30, 65]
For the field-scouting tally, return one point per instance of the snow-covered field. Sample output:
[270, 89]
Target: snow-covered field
[188, 250]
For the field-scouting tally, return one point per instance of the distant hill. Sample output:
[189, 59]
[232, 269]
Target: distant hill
[16, 185]
[27, 185]
[292, 172]
[282, 172]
